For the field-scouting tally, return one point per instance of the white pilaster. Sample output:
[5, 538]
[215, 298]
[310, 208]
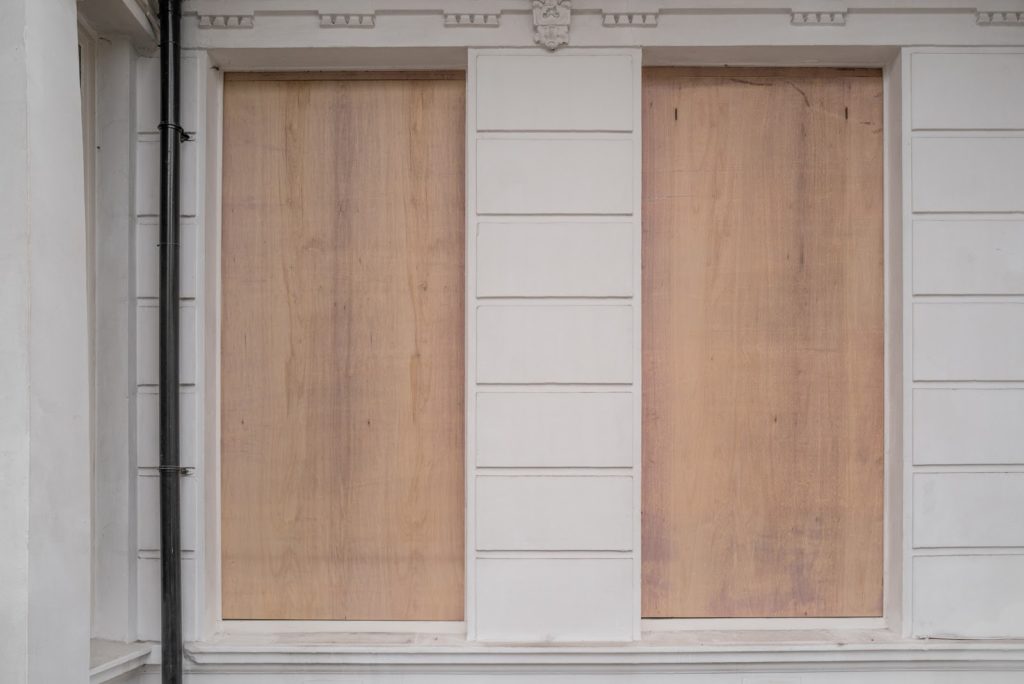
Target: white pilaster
[965, 299]
[553, 353]
[44, 384]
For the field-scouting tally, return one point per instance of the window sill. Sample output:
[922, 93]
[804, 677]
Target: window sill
[676, 652]
[111, 659]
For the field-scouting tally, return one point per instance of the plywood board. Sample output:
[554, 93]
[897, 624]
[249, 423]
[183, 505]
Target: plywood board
[762, 343]
[342, 356]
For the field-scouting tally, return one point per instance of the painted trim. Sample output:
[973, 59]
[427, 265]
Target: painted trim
[214, 628]
[817, 651]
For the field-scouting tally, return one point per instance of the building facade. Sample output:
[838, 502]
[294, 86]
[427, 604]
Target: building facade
[554, 137]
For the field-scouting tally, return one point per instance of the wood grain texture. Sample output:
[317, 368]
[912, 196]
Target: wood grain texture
[762, 343]
[342, 350]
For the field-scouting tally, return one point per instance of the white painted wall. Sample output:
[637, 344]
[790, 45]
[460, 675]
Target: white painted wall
[965, 297]
[553, 178]
[44, 380]
[552, 252]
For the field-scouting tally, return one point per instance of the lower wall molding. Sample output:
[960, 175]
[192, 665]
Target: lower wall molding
[443, 656]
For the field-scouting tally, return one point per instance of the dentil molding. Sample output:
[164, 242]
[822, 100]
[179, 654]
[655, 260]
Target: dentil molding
[225, 21]
[598, 23]
[472, 20]
[630, 19]
[992, 18]
[347, 21]
[818, 18]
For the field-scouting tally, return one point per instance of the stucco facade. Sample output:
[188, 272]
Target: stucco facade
[552, 129]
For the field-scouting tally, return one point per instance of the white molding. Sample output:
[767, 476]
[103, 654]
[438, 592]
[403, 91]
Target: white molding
[828, 18]
[630, 19]
[598, 23]
[804, 652]
[1005, 18]
[225, 21]
[347, 21]
[472, 20]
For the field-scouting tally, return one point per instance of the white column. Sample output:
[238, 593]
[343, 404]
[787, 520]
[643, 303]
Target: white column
[964, 289]
[553, 353]
[44, 402]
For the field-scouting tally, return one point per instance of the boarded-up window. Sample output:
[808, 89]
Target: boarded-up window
[341, 348]
[762, 343]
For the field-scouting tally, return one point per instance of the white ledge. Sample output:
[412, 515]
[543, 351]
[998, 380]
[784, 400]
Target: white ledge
[111, 659]
[678, 652]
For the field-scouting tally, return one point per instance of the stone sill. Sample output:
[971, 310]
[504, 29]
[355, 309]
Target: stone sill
[111, 659]
[661, 652]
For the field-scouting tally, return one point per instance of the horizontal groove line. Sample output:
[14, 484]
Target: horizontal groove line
[961, 383]
[556, 218]
[968, 296]
[154, 554]
[968, 214]
[567, 388]
[933, 551]
[966, 468]
[154, 471]
[545, 213]
[555, 471]
[581, 553]
[497, 299]
[1016, 132]
[553, 134]
[497, 133]
[554, 384]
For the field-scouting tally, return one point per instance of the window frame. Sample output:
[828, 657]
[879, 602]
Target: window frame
[209, 621]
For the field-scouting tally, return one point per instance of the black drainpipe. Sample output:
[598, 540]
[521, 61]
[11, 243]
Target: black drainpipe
[171, 136]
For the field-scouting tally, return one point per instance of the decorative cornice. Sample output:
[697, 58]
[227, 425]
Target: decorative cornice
[472, 20]
[347, 21]
[631, 19]
[818, 18]
[225, 21]
[989, 18]
[551, 22]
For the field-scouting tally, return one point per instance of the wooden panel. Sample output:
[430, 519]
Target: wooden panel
[554, 599]
[968, 509]
[543, 513]
[954, 426]
[958, 90]
[342, 358]
[554, 260]
[972, 597]
[968, 257]
[537, 344]
[762, 344]
[527, 175]
[588, 90]
[554, 429]
[971, 341]
[970, 173]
